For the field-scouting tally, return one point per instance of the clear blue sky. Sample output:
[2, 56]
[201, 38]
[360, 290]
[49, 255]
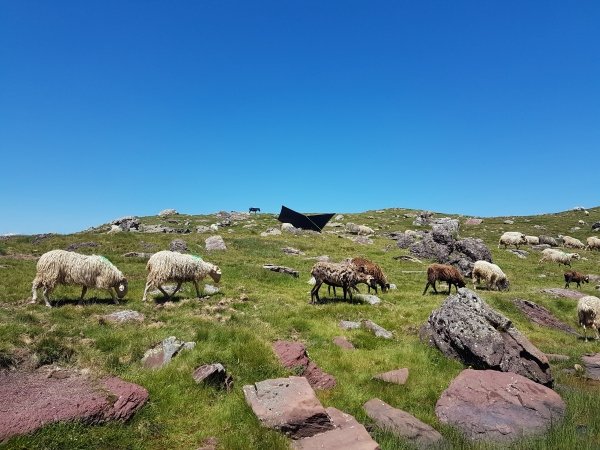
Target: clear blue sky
[111, 108]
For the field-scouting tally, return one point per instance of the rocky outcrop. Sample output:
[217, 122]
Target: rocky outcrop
[178, 245]
[282, 269]
[123, 317]
[564, 293]
[398, 376]
[488, 405]
[215, 243]
[467, 329]
[31, 400]
[540, 315]
[127, 223]
[213, 374]
[162, 354]
[292, 355]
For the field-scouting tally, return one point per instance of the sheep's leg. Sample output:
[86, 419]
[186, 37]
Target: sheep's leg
[596, 330]
[197, 290]
[314, 292]
[167, 296]
[584, 332]
[434, 288]
[46, 292]
[566, 285]
[83, 292]
[34, 288]
[148, 285]
[426, 286]
[176, 289]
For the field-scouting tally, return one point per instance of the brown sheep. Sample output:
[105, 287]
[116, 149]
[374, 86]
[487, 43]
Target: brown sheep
[366, 266]
[443, 272]
[345, 276]
[577, 277]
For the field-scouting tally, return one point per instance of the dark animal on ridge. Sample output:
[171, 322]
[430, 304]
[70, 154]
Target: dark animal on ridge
[443, 272]
[253, 210]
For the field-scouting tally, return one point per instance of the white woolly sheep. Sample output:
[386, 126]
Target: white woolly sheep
[559, 257]
[571, 242]
[343, 275]
[492, 274]
[165, 266]
[588, 313]
[593, 243]
[532, 240]
[69, 268]
[361, 230]
[512, 238]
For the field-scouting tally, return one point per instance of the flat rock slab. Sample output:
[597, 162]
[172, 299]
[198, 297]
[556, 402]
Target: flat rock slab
[282, 269]
[591, 362]
[292, 251]
[367, 298]
[213, 374]
[564, 293]
[376, 329]
[394, 376]
[293, 356]
[467, 329]
[540, 315]
[402, 424]
[124, 316]
[349, 325]
[344, 343]
[209, 289]
[489, 405]
[472, 221]
[288, 405]
[31, 400]
[215, 243]
[348, 434]
[163, 353]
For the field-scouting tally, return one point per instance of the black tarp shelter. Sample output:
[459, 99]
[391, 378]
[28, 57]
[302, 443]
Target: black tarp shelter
[314, 222]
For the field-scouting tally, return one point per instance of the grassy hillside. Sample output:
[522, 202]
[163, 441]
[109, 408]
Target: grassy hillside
[237, 333]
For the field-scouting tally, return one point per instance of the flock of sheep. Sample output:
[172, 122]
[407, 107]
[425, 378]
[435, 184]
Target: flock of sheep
[63, 267]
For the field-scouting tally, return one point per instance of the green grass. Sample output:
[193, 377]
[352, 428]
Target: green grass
[239, 334]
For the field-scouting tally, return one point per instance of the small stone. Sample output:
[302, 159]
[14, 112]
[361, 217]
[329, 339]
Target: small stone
[348, 325]
[210, 443]
[213, 374]
[178, 245]
[292, 251]
[167, 212]
[344, 343]
[123, 316]
[367, 298]
[395, 376]
[376, 329]
[162, 354]
[509, 222]
[271, 232]
[209, 289]
[282, 269]
[215, 243]
[203, 229]
[591, 362]
[557, 357]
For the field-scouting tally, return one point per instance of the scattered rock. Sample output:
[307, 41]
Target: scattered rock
[548, 240]
[77, 245]
[123, 317]
[162, 354]
[498, 406]
[540, 315]
[348, 325]
[167, 212]
[376, 329]
[282, 269]
[209, 443]
[422, 219]
[445, 225]
[594, 278]
[203, 229]
[293, 356]
[394, 376]
[209, 289]
[137, 255]
[367, 298]
[347, 435]
[472, 221]
[393, 287]
[405, 240]
[344, 343]
[214, 227]
[31, 400]
[163, 229]
[289, 228]
[556, 357]
[564, 293]
[288, 405]
[36, 238]
[271, 232]
[127, 223]
[178, 245]
[522, 254]
[591, 362]
[541, 247]
[361, 230]
[596, 226]
[335, 225]
[114, 229]
[467, 329]
[408, 258]
[509, 222]
[402, 424]
[215, 243]
[292, 251]
[213, 374]
[363, 240]
[339, 217]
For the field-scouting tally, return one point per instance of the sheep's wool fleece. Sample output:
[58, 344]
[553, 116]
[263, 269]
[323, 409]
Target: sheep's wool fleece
[173, 266]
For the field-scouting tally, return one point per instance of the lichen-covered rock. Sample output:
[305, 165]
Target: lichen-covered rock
[178, 245]
[466, 328]
[215, 243]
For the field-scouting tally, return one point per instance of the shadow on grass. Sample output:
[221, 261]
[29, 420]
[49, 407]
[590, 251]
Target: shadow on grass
[92, 300]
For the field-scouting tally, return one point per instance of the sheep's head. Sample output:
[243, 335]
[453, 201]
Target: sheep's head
[121, 288]
[586, 279]
[385, 287]
[575, 256]
[215, 273]
[461, 283]
[503, 285]
[523, 239]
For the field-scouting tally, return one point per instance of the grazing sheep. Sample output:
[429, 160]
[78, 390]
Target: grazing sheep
[492, 274]
[576, 277]
[70, 268]
[444, 272]
[167, 266]
[532, 240]
[588, 312]
[571, 242]
[369, 267]
[512, 238]
[559, 257]
[548, 240]
[593, 243]
[341, 275]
